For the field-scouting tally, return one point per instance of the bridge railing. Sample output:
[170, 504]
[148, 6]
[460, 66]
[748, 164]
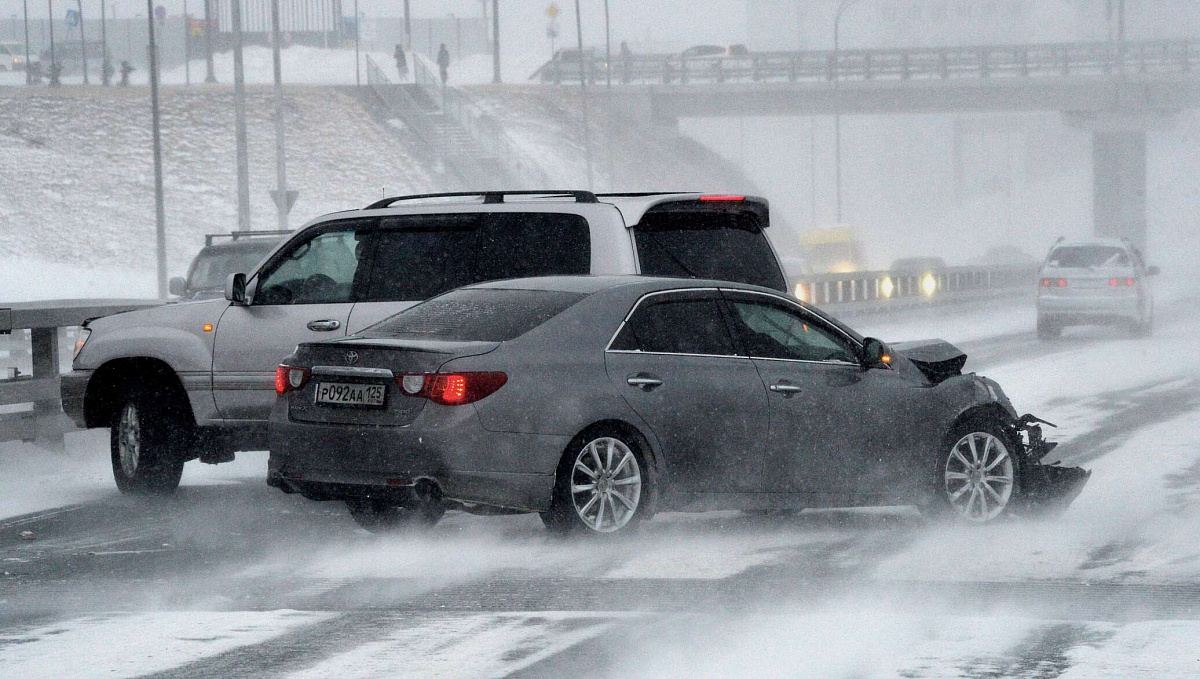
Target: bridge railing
[869, 291]
[1171, 57]
[39, 336]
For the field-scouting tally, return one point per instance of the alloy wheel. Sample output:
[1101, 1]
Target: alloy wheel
[606, 485]
[130, 440]
[979, 477]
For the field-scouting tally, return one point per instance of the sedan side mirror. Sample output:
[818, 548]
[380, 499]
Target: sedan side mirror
[1153, 270]
[177, 286]
[876, 354]
[235, 288]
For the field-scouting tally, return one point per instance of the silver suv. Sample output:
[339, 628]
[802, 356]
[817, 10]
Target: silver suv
[1101, 281]
[196, 380]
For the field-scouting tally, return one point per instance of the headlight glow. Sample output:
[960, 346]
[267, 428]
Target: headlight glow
[928, 285]
[887, 287]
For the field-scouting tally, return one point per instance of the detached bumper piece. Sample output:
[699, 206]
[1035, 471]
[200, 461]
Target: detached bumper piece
[1048, 488]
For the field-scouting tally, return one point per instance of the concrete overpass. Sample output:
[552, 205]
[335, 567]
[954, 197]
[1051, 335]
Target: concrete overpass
[1119, 92]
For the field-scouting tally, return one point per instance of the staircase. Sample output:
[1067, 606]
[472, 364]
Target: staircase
[429, 113]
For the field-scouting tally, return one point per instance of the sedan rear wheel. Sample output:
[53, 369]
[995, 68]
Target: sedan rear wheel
[979, 476]
[603, 490]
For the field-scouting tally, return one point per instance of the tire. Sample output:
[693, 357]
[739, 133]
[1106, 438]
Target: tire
[603, 486]
[381, 517]
[149, 443]
[987, 474]
[1048, 329]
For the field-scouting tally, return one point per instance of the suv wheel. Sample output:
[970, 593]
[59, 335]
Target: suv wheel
[149, 445]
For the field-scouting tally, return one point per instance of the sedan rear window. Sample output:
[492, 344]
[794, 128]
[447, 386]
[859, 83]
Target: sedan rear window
[476, 315]
[724, 246]
[1088, 256]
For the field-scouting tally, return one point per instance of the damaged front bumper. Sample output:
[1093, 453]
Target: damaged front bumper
[1047, 487]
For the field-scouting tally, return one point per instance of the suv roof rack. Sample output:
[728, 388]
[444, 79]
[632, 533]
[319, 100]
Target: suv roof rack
[238, 235]
[489, 197]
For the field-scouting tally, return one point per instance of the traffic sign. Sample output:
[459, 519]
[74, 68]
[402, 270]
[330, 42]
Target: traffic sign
[72, 18]
[552, 10]
[289, 196]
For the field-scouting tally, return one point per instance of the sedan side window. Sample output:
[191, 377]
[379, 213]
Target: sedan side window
[321, 270]
[678, 326]
[771, 331]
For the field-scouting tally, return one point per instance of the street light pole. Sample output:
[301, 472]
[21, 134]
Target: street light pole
[28, 71]
[105, 62]
[607, 51]
[210, 75]
[82, 43]
[160, 217]
[837, 116]
[282, 199]
[587, 135]
[54, 82]
[239, 117]
[357, 33]
[187, 48]
[496, 41]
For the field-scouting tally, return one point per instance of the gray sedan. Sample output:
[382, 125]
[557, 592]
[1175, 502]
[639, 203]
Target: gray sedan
[597, 401]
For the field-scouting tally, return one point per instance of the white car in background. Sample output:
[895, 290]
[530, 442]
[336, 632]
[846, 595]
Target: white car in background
[1104, 281]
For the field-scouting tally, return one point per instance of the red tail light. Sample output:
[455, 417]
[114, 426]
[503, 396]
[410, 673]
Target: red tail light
[453, 389]
[290, 378]
[1116, 282]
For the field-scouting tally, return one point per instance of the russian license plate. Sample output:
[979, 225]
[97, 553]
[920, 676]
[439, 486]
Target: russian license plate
[345, 394]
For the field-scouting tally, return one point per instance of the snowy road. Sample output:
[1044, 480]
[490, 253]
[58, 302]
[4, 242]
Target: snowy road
[231, 578]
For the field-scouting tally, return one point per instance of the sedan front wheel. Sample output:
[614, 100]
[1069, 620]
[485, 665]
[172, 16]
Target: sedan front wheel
[978, 474]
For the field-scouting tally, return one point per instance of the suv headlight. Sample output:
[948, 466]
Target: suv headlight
[80, 340]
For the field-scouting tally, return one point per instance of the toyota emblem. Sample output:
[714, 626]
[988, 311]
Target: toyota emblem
[351, 357]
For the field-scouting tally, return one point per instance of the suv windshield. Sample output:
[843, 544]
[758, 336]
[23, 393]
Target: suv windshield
[725, 246]
[476, 315]
[1088, 256]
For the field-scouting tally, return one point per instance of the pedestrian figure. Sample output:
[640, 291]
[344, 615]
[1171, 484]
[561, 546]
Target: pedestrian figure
[56, 74]
[626, 62]
[126, 69]
[443, 62]
[401, 62]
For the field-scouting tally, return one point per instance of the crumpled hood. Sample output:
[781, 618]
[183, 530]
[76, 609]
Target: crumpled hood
[937, 359]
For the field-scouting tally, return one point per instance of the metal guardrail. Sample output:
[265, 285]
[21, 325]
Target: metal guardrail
[870, 291]
[1171, 57]
[35, 332]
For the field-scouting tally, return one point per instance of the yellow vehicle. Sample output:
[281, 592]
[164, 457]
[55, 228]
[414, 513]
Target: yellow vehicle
[831, 250]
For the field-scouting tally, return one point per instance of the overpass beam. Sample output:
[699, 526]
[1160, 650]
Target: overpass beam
[1119, 169]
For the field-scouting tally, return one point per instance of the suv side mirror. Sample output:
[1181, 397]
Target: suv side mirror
[876, 354]
[1153, 270]
[235, 288]
[177, 286]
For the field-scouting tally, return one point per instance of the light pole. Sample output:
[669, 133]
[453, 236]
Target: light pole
[837, 116]
[82, 43]
[160, 217]
[496, 41]
[239, 118]
[105, 61]
[357, 33]
[54, 81]
[607, 51]
[28, 70]
[210, 75]
[587, 135]
[283, 197]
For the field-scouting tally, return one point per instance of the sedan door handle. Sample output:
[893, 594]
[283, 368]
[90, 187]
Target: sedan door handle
[643, 383]
[324, 326]
[788, 390]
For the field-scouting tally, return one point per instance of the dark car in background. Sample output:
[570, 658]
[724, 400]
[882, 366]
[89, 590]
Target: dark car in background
[224, 254]
[596, 401]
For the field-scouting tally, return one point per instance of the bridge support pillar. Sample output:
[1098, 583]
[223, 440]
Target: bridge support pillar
[1119, 170]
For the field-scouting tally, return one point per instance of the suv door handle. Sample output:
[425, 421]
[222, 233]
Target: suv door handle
[788, 390]
[324, 326]
[644, 383]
